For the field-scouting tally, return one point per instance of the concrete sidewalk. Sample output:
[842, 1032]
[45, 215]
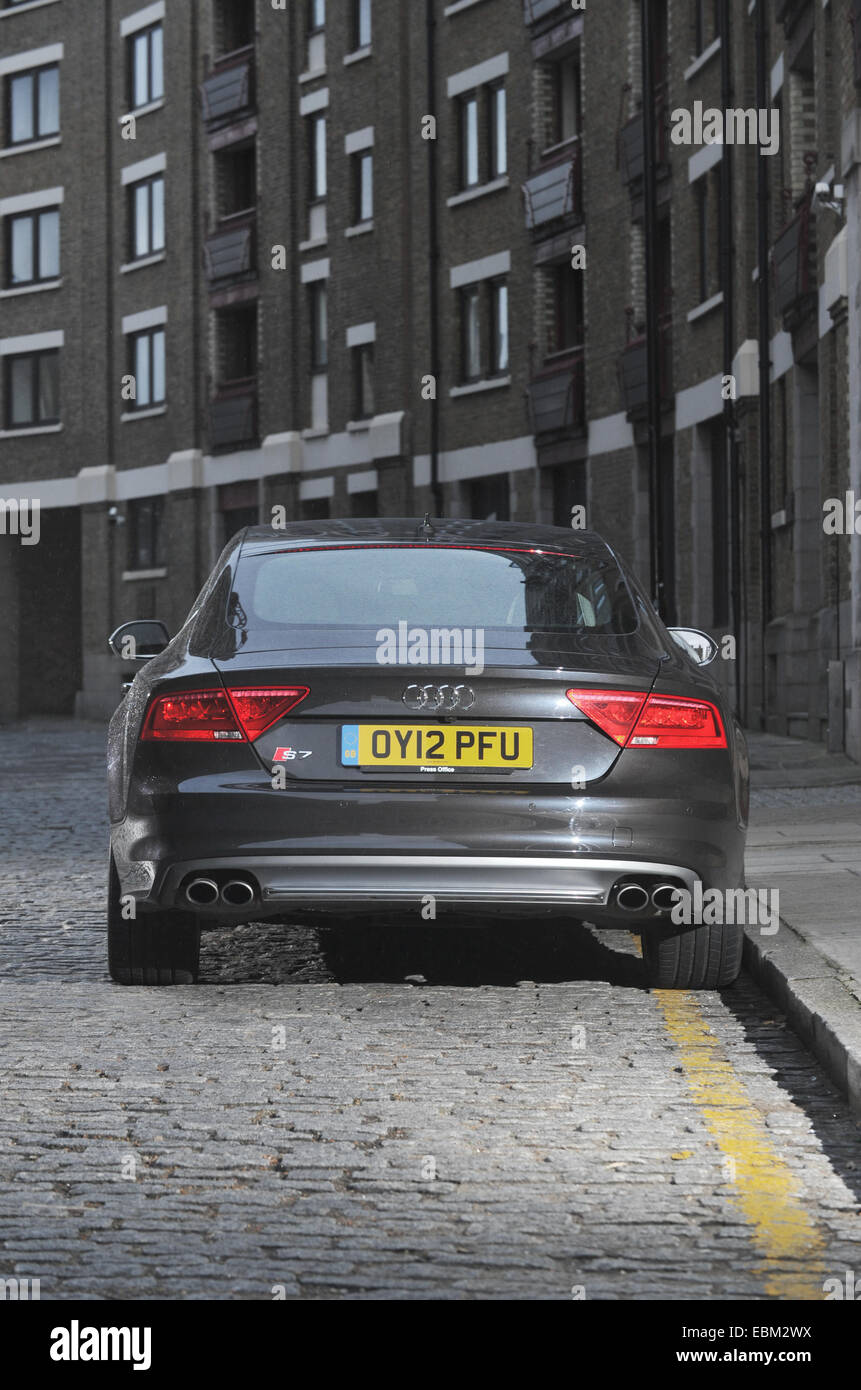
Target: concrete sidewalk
[805, 841]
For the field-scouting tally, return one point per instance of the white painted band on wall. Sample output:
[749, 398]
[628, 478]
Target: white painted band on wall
[484, 269]
[33, 58]
[362, 482]
[142, 19]
[469, 78]
[314, 101]
[359, 140]
[361, 333]
[144, 169]
[26, 202]
[315, 270]
[31, 342]
[313, 488]
[147, 318]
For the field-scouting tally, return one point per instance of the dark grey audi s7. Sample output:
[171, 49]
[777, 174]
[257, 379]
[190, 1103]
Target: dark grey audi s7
[368, 717]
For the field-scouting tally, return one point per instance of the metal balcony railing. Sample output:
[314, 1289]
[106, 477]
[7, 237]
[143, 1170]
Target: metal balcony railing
[229, 89]
[557, 396]
[231, 252]
[631, 140]
[556, 191]
[233, 414]
[793, 263]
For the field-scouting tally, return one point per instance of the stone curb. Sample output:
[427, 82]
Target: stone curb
[811, 992]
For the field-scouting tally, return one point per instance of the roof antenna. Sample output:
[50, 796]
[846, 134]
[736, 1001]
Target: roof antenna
[426, 528]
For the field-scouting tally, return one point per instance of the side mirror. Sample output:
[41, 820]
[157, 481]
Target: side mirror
[139, 640]
[698, 645]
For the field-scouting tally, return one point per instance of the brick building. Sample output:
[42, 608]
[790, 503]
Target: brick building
[318, 255]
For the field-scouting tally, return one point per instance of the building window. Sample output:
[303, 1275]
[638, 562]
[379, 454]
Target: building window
[146, 66]
[235, 180]
[236, 343]
[469, 153]
[361, 24]
[363, 381]
[363, 187]
[33, 105]
[147, 365]
[706, 23]
[565, 100]
[315, 509]
[144, 517]
[498, 140]
[316, 15]
[470, 321]
[498, 327]
[319, 327]
[234, 25]
[364, 504]
[565, 326]
[146, 220]
[237, 507]
[317, 156]
[33, 247]
[483, 136]
[32, 390]
[709, 240]
[489, 498]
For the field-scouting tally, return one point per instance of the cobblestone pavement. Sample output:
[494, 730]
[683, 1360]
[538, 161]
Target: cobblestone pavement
[447, 1116]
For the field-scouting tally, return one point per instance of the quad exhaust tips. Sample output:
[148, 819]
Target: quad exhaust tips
[664, 896]
[632, 897]
[237, 893]
[203, 892]
[637, 897]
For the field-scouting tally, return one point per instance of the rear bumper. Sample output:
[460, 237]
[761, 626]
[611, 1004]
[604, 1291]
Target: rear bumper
[353, 882]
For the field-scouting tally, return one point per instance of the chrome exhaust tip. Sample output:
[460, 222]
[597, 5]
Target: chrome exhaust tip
[632, 897]
[237, 893]
[202, 892]
[664, 896]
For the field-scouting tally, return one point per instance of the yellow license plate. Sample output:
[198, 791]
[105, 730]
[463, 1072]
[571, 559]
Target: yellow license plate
[437, 747]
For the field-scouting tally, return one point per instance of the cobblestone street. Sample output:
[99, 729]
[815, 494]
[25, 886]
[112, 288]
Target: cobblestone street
[443, 1116]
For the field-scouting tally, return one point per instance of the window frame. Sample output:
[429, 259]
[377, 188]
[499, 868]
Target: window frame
[133, 188]
[146, 35]
[154, 514]
[318, 293]
[363, 353]
[35, 74]
[469, 126]
[469, 295]
[361, 160]
[495, 366]
[317, 157]
[150, 334]
[34, 217]
[37, 358]
[315, 25]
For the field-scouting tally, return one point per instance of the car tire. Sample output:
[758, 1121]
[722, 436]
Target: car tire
[158, 948]
[705, 957]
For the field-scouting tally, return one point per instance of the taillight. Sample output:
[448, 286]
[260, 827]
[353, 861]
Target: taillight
[218, 715]
[657, 721]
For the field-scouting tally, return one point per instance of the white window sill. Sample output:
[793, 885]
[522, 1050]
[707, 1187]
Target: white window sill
[358, 426]
[30, 146]
[702, 58]
[312, 74]
[360, 228]
[160, 573]
[316, 432]
[31, 289]
[467, 196]
[706, 307]
[147, 414]
[492, 383]
[357, 55]
[550, 150]
[314, 244]
[144, 110]
[22, 9]
[30, 429]
[142, 263]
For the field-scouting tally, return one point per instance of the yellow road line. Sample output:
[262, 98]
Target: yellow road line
[766, 1189]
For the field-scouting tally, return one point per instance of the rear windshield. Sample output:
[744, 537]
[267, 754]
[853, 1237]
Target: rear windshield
[431, 586]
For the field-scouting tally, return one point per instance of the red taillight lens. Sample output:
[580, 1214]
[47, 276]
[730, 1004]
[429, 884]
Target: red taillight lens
[614, 711]
[217, 716]
[659, 721]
